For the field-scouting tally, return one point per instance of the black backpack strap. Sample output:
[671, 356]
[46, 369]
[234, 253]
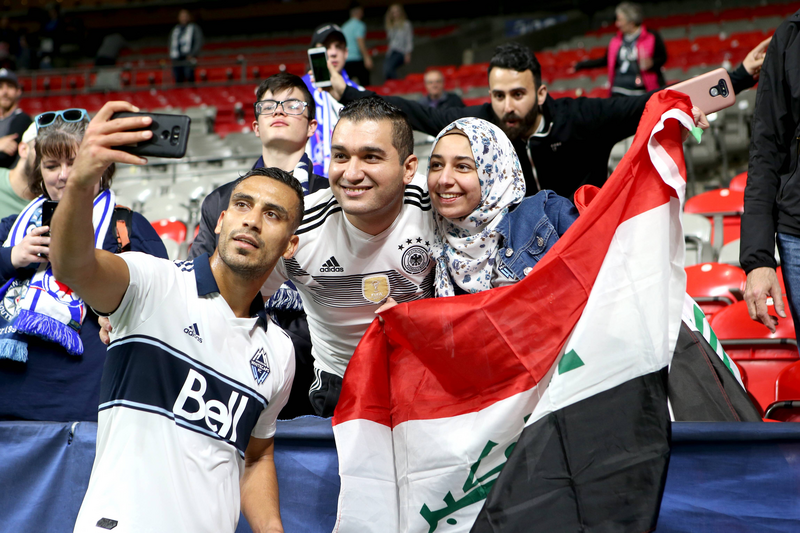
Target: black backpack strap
[123, 227]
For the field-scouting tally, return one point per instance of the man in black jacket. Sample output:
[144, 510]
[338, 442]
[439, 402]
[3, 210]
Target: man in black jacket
[772, 195]
[562, 143]
[284, 120]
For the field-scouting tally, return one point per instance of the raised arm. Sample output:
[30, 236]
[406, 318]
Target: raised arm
[259, 487]
[99, 277]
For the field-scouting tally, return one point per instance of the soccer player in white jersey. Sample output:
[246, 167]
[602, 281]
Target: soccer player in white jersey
[194, 377]
[362, 242]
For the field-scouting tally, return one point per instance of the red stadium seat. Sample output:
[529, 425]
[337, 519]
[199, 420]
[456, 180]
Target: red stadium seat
[724, 208]
[738, 182]
[173, 229]
[714, 286]
[763, 354]
[786, 407]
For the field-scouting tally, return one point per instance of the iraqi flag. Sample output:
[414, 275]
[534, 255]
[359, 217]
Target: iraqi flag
[570, 362]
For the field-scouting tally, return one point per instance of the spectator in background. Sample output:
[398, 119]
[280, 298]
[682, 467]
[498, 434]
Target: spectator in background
[109, 50]
[330, 37]
[401, 41]
[56, 379]
[359, 62]
[25, 55]
[52, 35]
[437, 97]
[635, 55]
[13, 121]
[16, 187]
[772, 194]
[9, 44]
[185, 43]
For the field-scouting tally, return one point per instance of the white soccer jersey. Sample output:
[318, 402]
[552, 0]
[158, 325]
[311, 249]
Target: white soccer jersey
[344, 274]
[185, 385]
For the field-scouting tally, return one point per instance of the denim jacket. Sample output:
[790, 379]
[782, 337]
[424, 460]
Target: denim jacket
[530, 230]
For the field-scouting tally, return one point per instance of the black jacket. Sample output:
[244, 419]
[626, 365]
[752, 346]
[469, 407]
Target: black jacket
[772, 195]
[572, 150]
[217, 201]
[19, 123]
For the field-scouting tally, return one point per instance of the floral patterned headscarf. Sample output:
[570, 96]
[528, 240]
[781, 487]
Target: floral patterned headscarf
[465, 248]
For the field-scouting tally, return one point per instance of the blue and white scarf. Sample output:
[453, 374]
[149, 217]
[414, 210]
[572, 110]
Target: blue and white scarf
[41, 306]
[327, 116]
[465, 249]
[287, 298]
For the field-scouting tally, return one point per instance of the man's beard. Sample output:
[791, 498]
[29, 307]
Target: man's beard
[523, 126]
[235, 261]
[27, 169]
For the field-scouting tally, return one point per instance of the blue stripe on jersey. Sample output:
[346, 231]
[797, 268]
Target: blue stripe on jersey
[145, 374]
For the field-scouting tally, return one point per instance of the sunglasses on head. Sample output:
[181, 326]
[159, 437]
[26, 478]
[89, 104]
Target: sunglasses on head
[67, 115]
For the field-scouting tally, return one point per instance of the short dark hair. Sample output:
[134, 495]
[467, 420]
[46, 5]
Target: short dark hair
[283, 81]
[283, 177]
[376, 108]
[514, 56]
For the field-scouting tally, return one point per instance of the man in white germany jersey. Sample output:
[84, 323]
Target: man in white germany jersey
[195, 374]
[365, 240]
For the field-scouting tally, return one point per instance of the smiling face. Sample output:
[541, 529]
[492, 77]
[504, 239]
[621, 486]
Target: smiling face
[453, 177]
[55, 173]
[258, 227]
[516, 101]
[366, 174]
[434, 84]
[281, 130]
[9, 96]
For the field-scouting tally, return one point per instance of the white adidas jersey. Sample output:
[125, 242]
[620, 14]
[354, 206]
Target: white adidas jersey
[344, 274]
[185, 385]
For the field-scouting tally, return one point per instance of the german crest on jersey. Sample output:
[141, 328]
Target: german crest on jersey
[375, 288]
[260, 366]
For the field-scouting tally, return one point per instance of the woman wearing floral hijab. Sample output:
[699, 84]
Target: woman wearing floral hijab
[487, 233]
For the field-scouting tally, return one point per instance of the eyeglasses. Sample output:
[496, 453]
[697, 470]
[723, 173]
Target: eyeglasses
[67, 115]
[293, 106]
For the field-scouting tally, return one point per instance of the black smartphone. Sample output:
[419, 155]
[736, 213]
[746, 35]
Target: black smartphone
[48, 207]
[170, 135]
[318, 57]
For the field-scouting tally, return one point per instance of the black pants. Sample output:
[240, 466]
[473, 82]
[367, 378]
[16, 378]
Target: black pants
[324, 393]
[295, 324]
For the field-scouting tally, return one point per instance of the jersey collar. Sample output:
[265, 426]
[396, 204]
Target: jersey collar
[206, 284]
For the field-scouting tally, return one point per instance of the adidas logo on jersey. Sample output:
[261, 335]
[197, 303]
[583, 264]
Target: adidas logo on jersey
[331, 265]
[193, 332]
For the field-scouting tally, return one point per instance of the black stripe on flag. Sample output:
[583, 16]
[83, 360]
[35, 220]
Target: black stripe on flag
[701, 388]
[597, 466]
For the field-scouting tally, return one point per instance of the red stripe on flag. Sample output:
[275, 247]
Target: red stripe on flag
[452, 356]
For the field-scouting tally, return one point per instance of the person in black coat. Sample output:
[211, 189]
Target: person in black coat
[772, 194]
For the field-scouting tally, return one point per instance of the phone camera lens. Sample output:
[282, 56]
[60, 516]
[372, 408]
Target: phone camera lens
[714, 91]
[165, 134]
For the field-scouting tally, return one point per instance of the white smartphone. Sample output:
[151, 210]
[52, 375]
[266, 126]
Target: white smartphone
[318, 58]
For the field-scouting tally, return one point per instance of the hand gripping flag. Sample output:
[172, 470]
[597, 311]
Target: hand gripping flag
[547, 396]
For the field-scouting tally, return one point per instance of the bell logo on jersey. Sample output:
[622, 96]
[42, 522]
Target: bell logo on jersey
[220, 418]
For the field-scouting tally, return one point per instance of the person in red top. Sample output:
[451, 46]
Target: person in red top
[635, 55]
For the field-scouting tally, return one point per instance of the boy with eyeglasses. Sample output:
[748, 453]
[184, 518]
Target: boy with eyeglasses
[284, 120]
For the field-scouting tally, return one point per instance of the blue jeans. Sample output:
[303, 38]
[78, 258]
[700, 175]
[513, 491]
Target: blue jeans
[394, 60]
[789, 248]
